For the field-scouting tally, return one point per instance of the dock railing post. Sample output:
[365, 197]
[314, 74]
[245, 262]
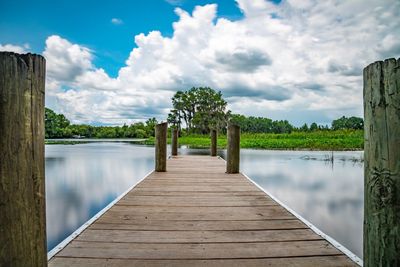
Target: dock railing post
[161, 147]
[22, 180]
[213, 151]
[174, 143]
[382, 163]
[233, 150]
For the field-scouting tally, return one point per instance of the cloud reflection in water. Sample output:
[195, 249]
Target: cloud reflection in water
[328, 195]
[82, 179]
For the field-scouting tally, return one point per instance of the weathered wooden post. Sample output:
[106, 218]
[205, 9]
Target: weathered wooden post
[174, 143]
[22, 185]
[382, 163]
[233, 152]
[161, 147]
[213, 151]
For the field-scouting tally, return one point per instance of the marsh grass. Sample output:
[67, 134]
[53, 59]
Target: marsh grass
[318, 140]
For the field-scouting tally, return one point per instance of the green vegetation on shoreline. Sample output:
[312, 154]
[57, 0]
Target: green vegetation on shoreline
[318, 140]
[199, 110]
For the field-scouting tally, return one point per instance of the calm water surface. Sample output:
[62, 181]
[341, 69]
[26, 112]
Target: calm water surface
[82, 179]
[328, 194]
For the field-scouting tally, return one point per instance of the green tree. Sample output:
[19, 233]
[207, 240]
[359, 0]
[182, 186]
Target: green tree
[130, 132]
[348, 123]
[282, 126]
[150, 126]
[140, 133]
[261, 125]
[55, 124]
[200, 108]
[313, 127]
[58, 126]
[174, 118]
[304, 128]
[210, 110]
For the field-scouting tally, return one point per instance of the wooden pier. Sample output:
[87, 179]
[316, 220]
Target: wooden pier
[197, 215]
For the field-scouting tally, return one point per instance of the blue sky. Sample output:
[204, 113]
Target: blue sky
[115, 62]
[88, 23]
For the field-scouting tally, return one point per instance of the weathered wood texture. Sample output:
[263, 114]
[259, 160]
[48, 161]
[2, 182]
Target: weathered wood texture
[213, 150]
[382, 163]
[233, 150]
[22, 186]
[327, 261]
[197, 215]
[161, 147]
[174, 143]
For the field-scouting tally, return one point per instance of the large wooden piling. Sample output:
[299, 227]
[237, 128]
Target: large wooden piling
[161, 147]
[382, 163]
[22, 185]
[213, 150]
[233, 151]
[174, 143]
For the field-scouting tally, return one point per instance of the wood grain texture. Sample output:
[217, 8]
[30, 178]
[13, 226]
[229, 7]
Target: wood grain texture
[327, 261]
[190, 236]
[22, 185]
[239, 225]
[110, 250]
[193, 216]
[213, 149]
[193, 201]
[382, 163]
[161, 147]
[233, 149]
[174, 141]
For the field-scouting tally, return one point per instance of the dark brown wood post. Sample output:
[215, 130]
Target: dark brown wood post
[22, 185]
[161, 147]
[233, 152]
[213, 143]
[382, 163]
[174, 143]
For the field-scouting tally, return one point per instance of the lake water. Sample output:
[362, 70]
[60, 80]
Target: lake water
[82, 179]
[328, 194]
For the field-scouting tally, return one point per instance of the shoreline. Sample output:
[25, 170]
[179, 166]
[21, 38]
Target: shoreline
[194, 146]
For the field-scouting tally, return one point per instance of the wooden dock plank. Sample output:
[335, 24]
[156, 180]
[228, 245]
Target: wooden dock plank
[244, 225]
[327, 261]
[198, 193]
[195, 201]
[120, 212]
[190, 236]
[193, 182]
[197, 215]
[195, 188]
[111, 250]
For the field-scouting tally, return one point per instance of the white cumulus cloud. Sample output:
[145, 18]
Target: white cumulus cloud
[299, 60]
[15, 48]
[66, 61]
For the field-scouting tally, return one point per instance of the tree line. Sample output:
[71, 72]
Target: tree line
[265, 125]
[58, 126]
[195, 111]
[201, 109]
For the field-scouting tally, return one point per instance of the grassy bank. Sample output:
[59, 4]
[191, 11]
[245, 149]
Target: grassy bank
[318, 140]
